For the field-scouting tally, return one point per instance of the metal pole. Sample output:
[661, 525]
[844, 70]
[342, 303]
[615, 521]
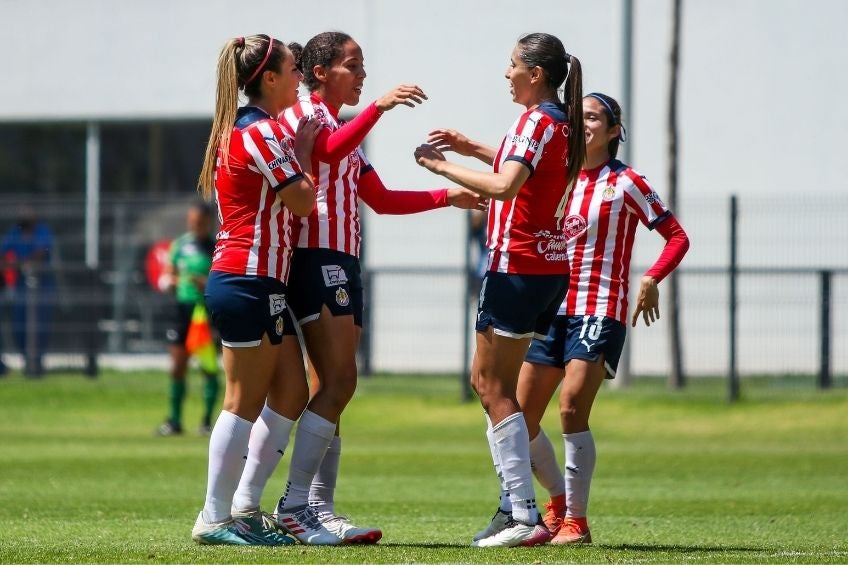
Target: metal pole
[92, 196]
[733, 375]
[467, 304]
[623, 374]
[825, 336]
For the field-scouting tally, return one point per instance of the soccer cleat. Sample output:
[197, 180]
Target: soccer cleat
[498, 523]
[555, 514]
[228, 532]
[169, 428]
[516, 534]
[346, 531]
[573, 530]
[261, 526]
[302, 522]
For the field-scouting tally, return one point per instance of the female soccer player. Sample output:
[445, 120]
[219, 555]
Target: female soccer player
[537, 161]
[256, 173]
[325, 289]
[585, 341]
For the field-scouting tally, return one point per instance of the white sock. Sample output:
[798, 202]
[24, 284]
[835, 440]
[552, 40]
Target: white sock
[545, 466]
[227, 449]
[504, 503]
[311, 440]
[579, 466]
[268, 440]
[513, 446]
[323, 487]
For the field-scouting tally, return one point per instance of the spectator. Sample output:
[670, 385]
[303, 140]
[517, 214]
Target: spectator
[26, 252]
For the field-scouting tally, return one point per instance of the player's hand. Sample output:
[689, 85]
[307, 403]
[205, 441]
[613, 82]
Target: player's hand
[450, 140]
[308, 128]
[648, 303]
[429, 157]
[463, 198]
[406, 94]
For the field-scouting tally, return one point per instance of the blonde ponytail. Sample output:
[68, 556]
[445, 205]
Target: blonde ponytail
[226, 106]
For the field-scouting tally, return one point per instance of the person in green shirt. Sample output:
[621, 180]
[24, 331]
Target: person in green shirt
[187, 270]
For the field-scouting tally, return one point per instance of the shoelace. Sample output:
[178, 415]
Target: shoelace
[308, 518]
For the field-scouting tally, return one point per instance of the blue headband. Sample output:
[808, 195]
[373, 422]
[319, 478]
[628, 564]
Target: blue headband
[622, 136]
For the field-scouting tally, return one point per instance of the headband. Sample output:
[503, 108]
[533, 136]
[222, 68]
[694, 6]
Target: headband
[622, 136]
[262, 64]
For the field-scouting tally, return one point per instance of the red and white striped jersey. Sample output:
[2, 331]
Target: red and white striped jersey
[255, 234]
[334, 221]
[602, 213]
[523, 233]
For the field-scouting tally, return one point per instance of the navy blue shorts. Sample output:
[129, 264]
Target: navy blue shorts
[244, 308]
[519, 306]
[580, 337]
[321, 277]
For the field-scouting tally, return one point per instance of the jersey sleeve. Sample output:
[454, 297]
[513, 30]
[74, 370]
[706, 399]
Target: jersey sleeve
[272, 153]
[642, 199]
[364, 164]
[526, 142]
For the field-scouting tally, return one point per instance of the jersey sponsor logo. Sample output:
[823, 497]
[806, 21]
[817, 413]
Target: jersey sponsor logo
[653, 198]
[551, 245]
[277, 303]
[222, 235]
[531, 143]
[609, 193]
[279, 162]
[342, 297]
[334, 275]
[575, 225]
[278, 325]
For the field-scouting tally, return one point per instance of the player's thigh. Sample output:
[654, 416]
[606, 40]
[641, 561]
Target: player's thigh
[248, 372]
[582, 381]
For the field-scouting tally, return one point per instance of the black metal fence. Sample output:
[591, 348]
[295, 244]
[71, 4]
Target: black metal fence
[780, 308]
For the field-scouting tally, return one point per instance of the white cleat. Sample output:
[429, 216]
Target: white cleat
[302, 523]
[516, 534]
[344, 529]
[498, 523]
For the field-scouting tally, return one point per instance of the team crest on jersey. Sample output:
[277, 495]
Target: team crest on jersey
[278, 326]
[609, 193]
[277, 303]
[321, 115]
[334, 275]
[575, 226]
[342, 297]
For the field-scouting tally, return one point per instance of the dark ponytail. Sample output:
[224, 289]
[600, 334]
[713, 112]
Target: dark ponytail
[574, 105]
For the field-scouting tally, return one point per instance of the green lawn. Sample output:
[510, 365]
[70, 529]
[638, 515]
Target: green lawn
[681, 477]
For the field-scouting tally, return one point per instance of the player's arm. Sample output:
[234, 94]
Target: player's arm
[382, 200]
[331, 147]
[676, 246]
[452, 140]
[503, 185]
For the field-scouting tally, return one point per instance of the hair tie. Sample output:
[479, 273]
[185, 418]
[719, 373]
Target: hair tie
[262, 64]
[239, 41]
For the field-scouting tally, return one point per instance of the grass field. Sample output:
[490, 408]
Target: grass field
[681, 477]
